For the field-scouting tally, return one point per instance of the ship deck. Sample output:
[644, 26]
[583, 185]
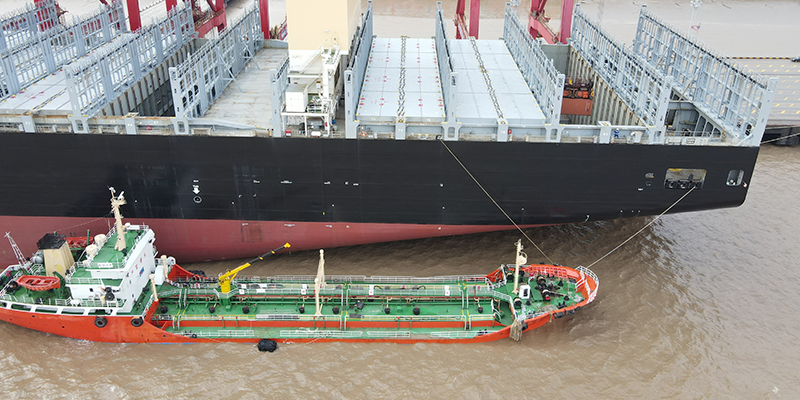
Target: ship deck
[405, 81]
[248, 101]
[49, 95]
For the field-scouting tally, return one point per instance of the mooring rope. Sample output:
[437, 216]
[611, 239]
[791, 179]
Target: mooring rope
[493, 201]
[643, 228]
[85, 223]
[781, 138]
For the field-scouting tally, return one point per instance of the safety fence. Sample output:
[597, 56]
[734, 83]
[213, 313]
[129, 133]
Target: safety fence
[538, 70]
[20, 25]
[640, 86]
[34, 45]
[736, 99]
[586, 272]
[447, 74]
[200, 80]
[360, 48]
[223, 334]
[69, 302]
[97, 80]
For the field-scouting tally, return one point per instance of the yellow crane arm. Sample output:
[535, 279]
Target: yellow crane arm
[226, 278]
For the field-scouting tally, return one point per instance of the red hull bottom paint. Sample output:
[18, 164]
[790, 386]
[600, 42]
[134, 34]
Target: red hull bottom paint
[194, 240]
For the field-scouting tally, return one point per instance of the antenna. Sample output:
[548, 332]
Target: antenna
[20, 258]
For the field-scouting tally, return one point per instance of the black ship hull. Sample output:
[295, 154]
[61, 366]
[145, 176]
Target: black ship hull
[228, 197]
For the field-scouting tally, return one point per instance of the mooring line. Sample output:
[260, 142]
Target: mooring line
[643, 228]
[781, 138]
[493, 201]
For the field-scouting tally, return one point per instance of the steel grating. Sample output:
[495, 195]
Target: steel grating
[360, 48]
[19, 26]
[544, 81]
[735, 99]
[200, 80]
[30, 52]
[644, 89]
[97, 80]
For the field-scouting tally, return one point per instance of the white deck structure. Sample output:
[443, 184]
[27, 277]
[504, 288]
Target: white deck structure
[92, 76]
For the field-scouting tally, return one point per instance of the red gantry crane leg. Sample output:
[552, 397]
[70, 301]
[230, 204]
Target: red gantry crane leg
[537, 22]
[263, 6]
[134, 16]
[461, 20]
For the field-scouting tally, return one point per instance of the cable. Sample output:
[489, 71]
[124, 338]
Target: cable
[493, 201]
[781, 138]
[640, 230]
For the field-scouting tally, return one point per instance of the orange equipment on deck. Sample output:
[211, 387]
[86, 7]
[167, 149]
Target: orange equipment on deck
[39, 283]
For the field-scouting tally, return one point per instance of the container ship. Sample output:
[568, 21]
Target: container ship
[121, 291]
[237, 142]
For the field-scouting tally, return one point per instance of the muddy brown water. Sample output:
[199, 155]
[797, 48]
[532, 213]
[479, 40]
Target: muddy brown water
[700, 305]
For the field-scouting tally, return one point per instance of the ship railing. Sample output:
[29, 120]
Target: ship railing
[480, 317]
[168, 292]
[83, 281]
[224, 333]
[321, 334]
[362, 278]
[389, 334]
[37, 269]
[198, 291]
[500, 296]
[586, 272]
[71, 271]
[431, 279]
[117, 303]
[149, 304]
[70, 302]
[557, 271]
[527, 316]
[458, 334]
[328, 291]
[261, 317]
[108, 265]
[310, 278]
[415, 318]
[408, 292]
